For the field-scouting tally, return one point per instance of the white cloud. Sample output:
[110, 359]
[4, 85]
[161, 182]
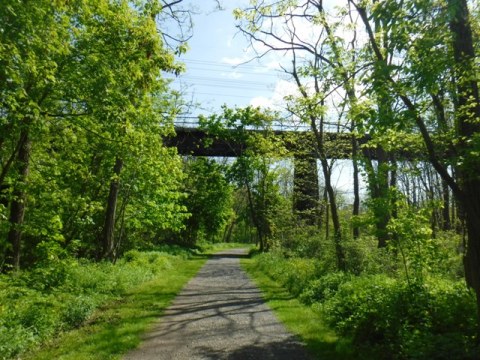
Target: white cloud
[283, 88]
[234, 61]
[232, 75]
[262, 101]
[273, 65]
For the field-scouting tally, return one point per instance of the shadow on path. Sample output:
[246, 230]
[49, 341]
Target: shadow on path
[220, 314]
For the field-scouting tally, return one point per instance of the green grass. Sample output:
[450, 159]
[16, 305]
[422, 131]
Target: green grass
[118, 326]
[213, 247]
[300, 319]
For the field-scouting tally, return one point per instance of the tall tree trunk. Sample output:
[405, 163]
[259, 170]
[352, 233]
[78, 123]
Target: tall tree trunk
[17, 207]
[446, 220]
[11, 158]
[327, 174]
[378, 188]
[356, 186]
[468, 126]
[383, 208]
[337, 229]
[327, 214]
[108, 234]
[254, 217]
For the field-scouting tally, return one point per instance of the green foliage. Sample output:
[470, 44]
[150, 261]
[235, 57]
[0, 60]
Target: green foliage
[409, 322]
[363, 256]
[78, 310]
[81, 84]
[294, 273]
[301, 241]
[412, 239]
[208, 200]
[37, 304]
[323, 288]
[358, 308]
[158, 260]
[375, 307]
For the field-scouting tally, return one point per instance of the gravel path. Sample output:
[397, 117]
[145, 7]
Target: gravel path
[219, 314]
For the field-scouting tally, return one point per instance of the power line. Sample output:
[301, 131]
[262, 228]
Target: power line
[212, 66]
[222, 95]
[251, 73]
[206, 76]
[229, 70]
[226, 84]
[226, 80]
[214, 63]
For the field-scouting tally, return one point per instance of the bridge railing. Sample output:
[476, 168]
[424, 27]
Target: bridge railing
[193, 123]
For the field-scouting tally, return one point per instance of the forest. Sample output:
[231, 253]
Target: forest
[93, 202]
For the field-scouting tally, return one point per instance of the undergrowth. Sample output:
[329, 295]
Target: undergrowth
[62, 294]
[399, 306]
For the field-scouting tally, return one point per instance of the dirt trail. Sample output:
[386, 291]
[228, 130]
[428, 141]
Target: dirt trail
[219, 314]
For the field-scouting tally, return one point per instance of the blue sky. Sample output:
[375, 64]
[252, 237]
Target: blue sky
[215, 74]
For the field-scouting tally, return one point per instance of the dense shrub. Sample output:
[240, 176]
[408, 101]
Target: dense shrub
[410, 321]
[361, 307]
[363, 256]
[373, 304]
[323, 288]
[293, 273]
[77, 309]
[302, 242]
[62, 294]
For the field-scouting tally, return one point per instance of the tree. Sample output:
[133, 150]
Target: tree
[323, 72]
[253, 170]
[27, 86]
[208, 200]
[82, 99]
[444, 34]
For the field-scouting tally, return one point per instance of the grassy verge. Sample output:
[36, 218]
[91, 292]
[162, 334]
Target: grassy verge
[376, 316]
[211, 248]
[117, 327]
[300, 319]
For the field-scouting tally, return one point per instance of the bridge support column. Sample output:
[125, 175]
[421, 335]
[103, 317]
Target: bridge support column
[305, 189]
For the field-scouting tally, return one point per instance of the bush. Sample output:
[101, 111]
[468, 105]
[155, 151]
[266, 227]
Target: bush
[409, 321]
[361, 308]
[39, 316]
[26, 317]
[362, 256]
[63, 293]
[304, 242]
[14, 339]
[406, 301]
[153, 260]
[448, 308]
[77, 310]
[323, 288]
[293, 273]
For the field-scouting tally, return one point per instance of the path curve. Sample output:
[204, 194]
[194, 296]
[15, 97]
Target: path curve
[219, 314]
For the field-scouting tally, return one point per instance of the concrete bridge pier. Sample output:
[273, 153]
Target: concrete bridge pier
[305, 189]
